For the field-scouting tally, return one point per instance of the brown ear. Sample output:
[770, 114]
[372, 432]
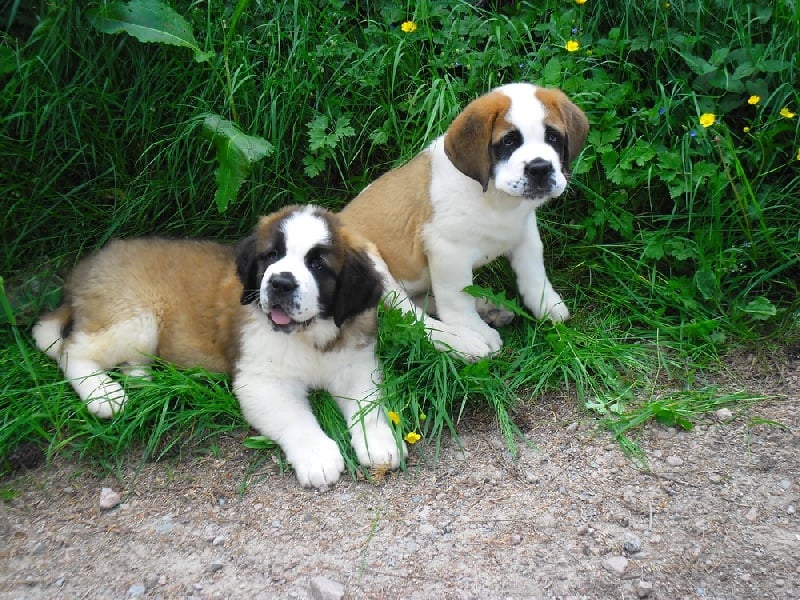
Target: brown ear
[468, 139]
[575, 122]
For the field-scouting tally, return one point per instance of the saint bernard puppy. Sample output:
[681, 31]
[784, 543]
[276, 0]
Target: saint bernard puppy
[291, 308]
[470, 197]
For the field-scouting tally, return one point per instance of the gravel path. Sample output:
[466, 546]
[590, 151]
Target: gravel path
[713, 517]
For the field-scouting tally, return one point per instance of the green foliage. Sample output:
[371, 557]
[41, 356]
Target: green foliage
[676, 239]
[147, 21]
[236, 154]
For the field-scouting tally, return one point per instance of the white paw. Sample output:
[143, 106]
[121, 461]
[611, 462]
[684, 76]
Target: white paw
[376, 446]
[107, 401]
[317, 462]
[468, 343]
[555, 309]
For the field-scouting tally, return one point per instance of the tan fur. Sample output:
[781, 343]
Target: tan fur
[468, 138]
[191, 288]
[566, 117]
[401, 199]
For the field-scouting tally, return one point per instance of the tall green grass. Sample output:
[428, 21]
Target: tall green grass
[674, 243]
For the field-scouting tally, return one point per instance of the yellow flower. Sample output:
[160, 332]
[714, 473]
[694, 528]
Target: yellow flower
[580, 1]
[408, 27]
[707, 119]
[394, 417]
[798, 154]
[754, 99]
[412, 437]
[785, 112]
[746, 129]
[572, 46]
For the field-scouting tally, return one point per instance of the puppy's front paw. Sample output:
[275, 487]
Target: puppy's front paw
[555, 309]
[316, 463]
[493, 315]
[376, 446]
[471, 345]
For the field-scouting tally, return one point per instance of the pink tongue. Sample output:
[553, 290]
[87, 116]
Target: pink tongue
[279, 317]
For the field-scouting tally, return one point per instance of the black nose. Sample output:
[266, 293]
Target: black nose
[282, 283]
[539, 171]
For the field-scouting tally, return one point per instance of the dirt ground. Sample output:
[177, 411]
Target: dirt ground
[714, 516]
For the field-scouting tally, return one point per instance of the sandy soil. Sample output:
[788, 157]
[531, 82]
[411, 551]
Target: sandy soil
[713, 516]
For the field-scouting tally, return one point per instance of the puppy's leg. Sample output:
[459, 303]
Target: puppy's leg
[450, 274]
[103, 396]
[356, 393]
[493, 315]
[469, 344]
[527, 260]
[280, 410]
[86, 357]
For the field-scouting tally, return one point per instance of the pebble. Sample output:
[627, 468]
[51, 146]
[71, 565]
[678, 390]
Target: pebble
[218, 540]
[616, 564]
[631, 543]
[752, 514]
[790, 510]
[323, 588]
[215, 566]
[108, 498]
[137, 589]
[723, 414]
[644, 589]
[674, 461]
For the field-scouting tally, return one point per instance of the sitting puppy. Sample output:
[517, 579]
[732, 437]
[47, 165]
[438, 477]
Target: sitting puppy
[292, 308]
[470, 197]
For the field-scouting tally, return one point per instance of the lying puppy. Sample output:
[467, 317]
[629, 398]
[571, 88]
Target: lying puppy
[470, 197]
[292, 308]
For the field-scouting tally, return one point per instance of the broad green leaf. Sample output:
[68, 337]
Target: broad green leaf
[236, 153]
[8, 60]
[148, 21]
[760, 308]
[707, 284]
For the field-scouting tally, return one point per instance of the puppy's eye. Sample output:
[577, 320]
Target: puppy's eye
[512, 138]
[316, 264]
[270, 256]
[551, 136]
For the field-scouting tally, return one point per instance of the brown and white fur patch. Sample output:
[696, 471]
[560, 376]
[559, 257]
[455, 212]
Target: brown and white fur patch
[470, 197]
[290, 309]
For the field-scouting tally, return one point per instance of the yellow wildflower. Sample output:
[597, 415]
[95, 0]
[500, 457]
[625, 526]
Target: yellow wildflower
[394, 417]
[412, 437]
[746, 129]
[572, 46]
[580, 1]
[754, 99]
[707, 119]
[798, 154]
[785, 112]
[408, 27]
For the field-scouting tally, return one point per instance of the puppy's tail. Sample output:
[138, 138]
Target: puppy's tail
[50, 331]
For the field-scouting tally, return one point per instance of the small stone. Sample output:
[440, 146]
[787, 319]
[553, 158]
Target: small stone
[108, 498]
[674, 461]
[572, 427]
[215, 566]
[616, 564]
[323, 588]
[631, 544]
[785, 484]
[780, 583]
[644, 589]
[723, 414]
[752, 514]
[428, 530]
[218, 540]
[137, 589]
[516, 539]
[790, 510]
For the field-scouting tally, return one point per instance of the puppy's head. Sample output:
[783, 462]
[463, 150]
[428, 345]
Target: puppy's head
[520, 137]
[300, 266]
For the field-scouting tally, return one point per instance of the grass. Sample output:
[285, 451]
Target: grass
[674, 244]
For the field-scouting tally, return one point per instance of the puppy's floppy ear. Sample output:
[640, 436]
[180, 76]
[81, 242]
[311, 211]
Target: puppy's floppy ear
[359, 287]
[468, 140]
[577, 126]
[247, 269]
